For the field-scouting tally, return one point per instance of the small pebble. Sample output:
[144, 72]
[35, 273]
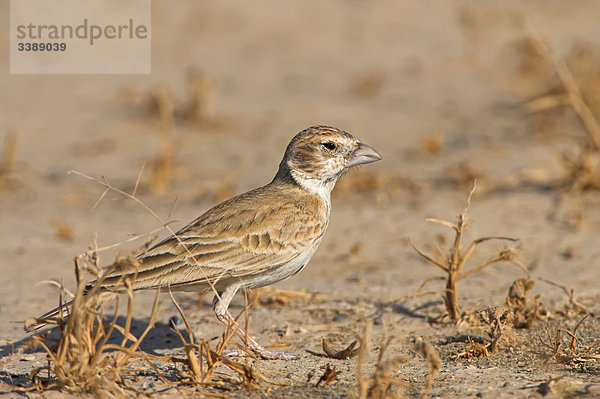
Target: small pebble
[340, 317]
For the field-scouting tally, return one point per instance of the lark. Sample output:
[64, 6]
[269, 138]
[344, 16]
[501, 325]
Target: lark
[254, 239]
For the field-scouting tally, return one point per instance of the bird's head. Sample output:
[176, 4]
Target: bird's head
[318, 156]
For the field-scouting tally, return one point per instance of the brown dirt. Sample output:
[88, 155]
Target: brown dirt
[437, 88]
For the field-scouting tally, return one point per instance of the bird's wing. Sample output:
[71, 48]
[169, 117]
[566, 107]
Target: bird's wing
[228, 241]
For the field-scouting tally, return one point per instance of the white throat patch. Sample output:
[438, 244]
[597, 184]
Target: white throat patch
[315, 186]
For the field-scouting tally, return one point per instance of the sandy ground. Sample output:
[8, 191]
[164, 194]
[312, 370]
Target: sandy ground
[437, 88]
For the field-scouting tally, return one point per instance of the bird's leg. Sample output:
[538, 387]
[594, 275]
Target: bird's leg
[221, 304]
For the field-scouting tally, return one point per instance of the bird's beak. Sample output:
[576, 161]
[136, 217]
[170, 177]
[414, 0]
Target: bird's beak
[364, 154]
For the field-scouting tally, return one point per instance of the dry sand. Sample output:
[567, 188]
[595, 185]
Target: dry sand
[437, 88]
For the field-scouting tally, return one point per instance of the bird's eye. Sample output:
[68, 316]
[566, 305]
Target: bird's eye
[329, 145]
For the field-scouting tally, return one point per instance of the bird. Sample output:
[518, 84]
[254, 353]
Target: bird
[253, 239]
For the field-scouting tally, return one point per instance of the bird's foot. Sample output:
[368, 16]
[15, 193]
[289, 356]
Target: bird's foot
[225, 317]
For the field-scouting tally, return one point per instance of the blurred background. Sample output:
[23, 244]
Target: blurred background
[448, 92]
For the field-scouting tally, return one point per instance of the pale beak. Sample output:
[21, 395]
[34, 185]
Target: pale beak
[364, 154]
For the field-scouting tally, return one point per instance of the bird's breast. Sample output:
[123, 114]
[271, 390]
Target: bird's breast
[284, 271]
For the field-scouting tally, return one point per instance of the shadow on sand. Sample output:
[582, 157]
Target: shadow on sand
[160, 337]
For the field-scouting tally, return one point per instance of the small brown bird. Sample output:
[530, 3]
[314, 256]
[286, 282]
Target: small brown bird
[256, 238]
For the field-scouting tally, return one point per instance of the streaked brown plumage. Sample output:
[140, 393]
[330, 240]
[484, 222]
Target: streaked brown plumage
[243, 237]
[256, 238]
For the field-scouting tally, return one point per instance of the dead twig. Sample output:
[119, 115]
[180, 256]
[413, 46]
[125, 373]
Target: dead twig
[347, 353]
[473, 350]
[572, 351]
[432, 358]
[573, 307]
[573, 92]
[381, 384]
[452, 264]
[524, 311]
[328, 376]
[82, 360]
[9, 177]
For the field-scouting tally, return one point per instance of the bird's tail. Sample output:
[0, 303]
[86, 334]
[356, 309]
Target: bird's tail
[54, 316]
[61, 313]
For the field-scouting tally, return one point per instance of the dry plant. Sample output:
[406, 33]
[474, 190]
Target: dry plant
[432, 358]
[582, 169]
[381, 384]
[197, 106]
[200, 107]
[561, 97]
[162, 166]
[82, 360]
[463, 173]
[524, 311]
[9, 177]
[347, 353]
[570, 91]
[573, 307]
[571, 350]
[496, 329]
[62, 230]
[500, 321]
[202, 361]
[532, 71]
[433, 144]
[368, 85]
[329, 375]
[454, 262]
[473, 350]
[162, 105]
